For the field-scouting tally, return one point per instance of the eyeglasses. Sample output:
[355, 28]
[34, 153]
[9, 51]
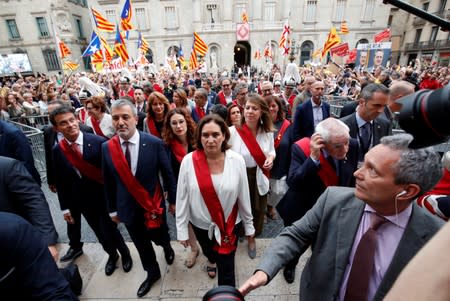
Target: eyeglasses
[225, 85]
[89, 108]
[243, 93]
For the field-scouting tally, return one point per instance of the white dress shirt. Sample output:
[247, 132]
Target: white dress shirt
[231, 187]
[266, 143]
[133, 147]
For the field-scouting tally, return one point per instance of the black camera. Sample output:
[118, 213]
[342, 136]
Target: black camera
[425, 115]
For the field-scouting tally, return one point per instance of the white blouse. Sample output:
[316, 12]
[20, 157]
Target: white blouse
[105, 125]
[266, 142]
[233, 187]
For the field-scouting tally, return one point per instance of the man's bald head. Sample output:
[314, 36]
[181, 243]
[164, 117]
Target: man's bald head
[397, 90]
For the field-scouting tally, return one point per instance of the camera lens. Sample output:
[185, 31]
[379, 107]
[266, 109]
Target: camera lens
[425, 114]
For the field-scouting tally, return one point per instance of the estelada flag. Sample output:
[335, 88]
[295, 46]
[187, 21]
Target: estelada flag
[125, 17]
[384, 35]
[120, 48]
[332, 40]
[344, 27]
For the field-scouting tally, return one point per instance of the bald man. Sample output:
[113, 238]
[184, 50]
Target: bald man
[397, 90]
[311, 112]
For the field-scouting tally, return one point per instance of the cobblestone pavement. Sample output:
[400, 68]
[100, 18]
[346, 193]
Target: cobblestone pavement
[271, 228]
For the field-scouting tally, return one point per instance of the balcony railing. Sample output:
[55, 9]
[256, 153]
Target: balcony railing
[417, 21]
[212, 26]
[427, 45]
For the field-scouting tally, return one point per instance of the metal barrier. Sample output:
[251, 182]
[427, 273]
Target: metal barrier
[37, 121]
[337, 103]
[36, 139]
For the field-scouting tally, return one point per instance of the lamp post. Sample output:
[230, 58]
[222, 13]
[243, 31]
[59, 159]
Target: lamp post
[211, 7]
[294, 50]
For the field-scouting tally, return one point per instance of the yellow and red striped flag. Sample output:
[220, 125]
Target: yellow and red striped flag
[125, 17]
[63, 49]
[317, 53]
[142, 44]
[332, 40]
[108, 52]
[244, 16]
[199, 45]
[344, 27]
[97, 57]
[120, 48]
[101, 22]
[68, 65]
[268, 50]
[257, 54]
[193, 62]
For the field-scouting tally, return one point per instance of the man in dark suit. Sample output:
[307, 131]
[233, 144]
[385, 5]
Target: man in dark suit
[20, 194]
[132, 162]
[365, 124]
[380, 214]
[14, 144]
[330, 157]
[28, 271]
[310, 113]
[140, 100]
[78, 178]
[51, 138]
[202, 106]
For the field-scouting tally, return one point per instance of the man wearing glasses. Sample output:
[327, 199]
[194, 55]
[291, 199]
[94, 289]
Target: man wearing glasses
[225, 96]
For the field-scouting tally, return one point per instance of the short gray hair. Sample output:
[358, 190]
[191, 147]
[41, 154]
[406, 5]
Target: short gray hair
[124, 102]
[416, 166]
[202, 92]
[239, 87]
[332, 127]
[370, 89]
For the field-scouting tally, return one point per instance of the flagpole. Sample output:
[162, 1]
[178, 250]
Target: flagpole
[55, 39]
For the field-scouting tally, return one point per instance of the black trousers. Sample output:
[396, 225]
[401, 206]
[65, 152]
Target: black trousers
[104, 228]
[74, 231]
[142, 238]
[225, 263]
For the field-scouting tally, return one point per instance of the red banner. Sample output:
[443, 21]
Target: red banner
[351, 56]
[340, 50]
[384, 35]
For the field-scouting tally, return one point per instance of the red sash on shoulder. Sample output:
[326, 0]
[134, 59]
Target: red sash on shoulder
[326, 173]
[76, 159]
[96, 126]
[200, 112]
[152, 127]
[152, 205]
[82, 115]
[205, 184]
[221, 97]
[253, 147]
[291, 102]
[178, 149]
[281, 132]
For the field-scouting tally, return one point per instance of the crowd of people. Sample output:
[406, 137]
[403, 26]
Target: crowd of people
[224, 153]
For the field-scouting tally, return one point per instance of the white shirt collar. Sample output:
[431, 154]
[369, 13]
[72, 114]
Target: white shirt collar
[133, 139]
[401, 219]
[79, 140]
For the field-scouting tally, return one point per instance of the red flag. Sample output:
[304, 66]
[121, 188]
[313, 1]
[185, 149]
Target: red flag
[384, 35]
[351, 56]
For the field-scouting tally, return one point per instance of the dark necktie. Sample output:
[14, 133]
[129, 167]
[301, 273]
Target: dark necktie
[363, 262]
[365, 135]
[127, 153]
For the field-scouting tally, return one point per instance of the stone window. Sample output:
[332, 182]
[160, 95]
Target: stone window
[13, 31]
[51, 59]
[42, 27]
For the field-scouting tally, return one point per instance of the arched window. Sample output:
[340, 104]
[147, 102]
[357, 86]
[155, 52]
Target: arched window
[361, 41]
[306, 51]
[173, 50]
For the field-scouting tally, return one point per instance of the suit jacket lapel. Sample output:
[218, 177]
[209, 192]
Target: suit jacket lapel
[142, 151]
[348, 222]
[376, 132]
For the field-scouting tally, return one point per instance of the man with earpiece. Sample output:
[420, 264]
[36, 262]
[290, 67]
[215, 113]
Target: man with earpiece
[361, 238]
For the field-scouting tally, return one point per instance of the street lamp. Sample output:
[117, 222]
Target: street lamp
[294, 50]
[211, 7]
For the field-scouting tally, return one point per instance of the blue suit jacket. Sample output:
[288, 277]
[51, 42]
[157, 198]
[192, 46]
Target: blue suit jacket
[14, 144]
[305, 185]
[152, 160]
[73, 190]
[304, 120]
[195, 116]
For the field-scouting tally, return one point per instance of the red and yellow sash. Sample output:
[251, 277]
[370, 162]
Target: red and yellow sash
[152, 205]
[76, 159]
[326, 173]
[205, 184]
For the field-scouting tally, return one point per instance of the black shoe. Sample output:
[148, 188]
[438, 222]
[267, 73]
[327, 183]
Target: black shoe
[71, 254]
[147, 284]
[289, 274]
[111, 265]
[127, 263]
[169, 254]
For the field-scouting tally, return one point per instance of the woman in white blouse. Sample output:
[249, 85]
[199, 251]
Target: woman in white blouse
[213, 196]
[254, 141]
[99, 120]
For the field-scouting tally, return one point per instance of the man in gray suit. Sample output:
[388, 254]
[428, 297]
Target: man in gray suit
[386, 187]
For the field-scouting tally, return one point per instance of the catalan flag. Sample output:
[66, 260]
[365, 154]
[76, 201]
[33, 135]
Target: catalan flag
[63, 49]
[120, 48]
[244, 16]
[257, 54]
[125, 17]
[317, 53]
[142, 44]
[97, 57]
[268, 50]
[284, 42]
[94, 45]
[101, 22]
[181, 56]
[108, 52]
[332, 40]
[68, 65]
[199, 45]
[193, 62]
[344, 27]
